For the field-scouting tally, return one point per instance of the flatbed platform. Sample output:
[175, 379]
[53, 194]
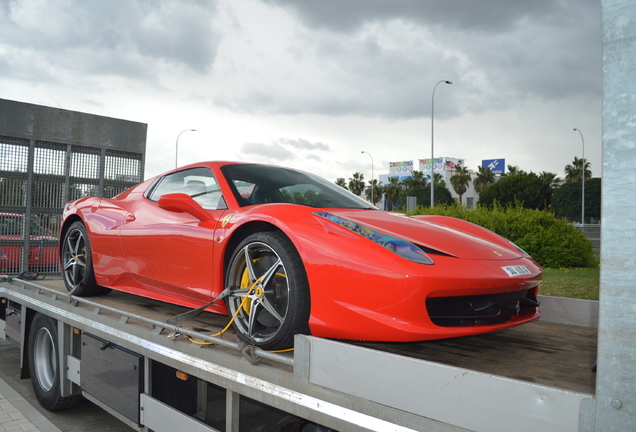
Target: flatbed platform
[556, 355]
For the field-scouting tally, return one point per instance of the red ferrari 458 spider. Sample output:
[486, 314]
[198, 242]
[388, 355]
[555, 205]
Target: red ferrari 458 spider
[291, 253]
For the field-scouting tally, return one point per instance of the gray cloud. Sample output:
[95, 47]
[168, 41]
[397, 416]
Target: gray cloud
[303, 144]
[284, 150]
[271, 152]
[383, 58]
[128, 39]
[491, 16]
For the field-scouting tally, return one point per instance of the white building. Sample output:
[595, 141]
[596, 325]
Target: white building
[445, 166]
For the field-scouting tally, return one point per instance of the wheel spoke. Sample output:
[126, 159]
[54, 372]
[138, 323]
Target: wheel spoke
[70, 245]
[254, 311]
[269, 273]
[269, 307]
[249, 263]
[241, 292]
[69, 264]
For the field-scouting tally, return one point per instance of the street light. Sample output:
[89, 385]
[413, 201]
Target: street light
[582, 181]
[372, 202]
[432, 147]
[176, 155]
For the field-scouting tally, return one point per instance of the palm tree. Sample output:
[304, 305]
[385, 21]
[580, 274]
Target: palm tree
[550, 179]
[485, 177]
[341, 182]
[356, 183]
[573, 172]
[376, 186]
[408, 183]
[514, 170]
[393, 191]
[418, 179]
[439, 180]
[460, 181]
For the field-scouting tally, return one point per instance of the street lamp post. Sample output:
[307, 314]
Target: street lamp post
[582, 181]
[432, 140]
[372, 201]
[176, 155]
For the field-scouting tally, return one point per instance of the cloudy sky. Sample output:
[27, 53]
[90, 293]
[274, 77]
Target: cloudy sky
[311, 84]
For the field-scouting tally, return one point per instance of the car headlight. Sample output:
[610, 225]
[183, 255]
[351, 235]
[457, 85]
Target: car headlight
[401, 247]
[526, 254]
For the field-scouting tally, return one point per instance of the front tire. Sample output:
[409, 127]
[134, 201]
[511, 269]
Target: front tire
[77, 263]
[44, 364]
[270, 291]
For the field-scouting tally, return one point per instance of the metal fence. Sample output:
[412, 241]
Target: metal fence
[36, 179]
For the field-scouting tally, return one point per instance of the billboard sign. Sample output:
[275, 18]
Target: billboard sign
[401, 168]
[497, 166]
[441, 164]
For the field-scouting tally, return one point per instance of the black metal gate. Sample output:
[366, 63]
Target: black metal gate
[36, 180]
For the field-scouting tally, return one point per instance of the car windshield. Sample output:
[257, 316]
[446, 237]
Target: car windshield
[12, 225]
[260, 184]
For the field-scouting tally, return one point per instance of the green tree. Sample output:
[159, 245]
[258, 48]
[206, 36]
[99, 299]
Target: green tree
[375, 186]
[417, 180]
[550, 178]
[514, 170]
[484, 177]
[525, 188]
[566, 201]
[442, 195]
[573, 171]
[341, 182]
[460, 181]
[393, 190]
[356, 183]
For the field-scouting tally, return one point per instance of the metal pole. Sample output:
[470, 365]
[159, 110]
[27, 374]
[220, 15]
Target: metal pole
[176, 155]
[372, 201]
[432, 139]
[582, 182]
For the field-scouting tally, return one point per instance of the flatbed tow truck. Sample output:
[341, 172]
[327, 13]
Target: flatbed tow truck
[119, 352]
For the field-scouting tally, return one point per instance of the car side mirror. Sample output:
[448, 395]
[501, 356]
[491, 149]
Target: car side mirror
[183, 203]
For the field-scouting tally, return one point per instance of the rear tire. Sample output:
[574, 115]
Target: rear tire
[44, 364]
[77, 263]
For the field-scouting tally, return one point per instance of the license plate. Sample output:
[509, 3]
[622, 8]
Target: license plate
[518, 270]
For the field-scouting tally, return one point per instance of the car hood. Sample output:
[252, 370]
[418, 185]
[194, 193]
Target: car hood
[436, 236]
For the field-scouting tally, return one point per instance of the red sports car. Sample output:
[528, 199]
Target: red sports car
[293, 253]
[42, 250]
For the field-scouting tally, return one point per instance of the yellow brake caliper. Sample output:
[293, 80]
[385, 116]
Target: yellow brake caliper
[246, 284]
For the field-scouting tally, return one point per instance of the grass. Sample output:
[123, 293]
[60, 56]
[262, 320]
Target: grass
[581, 283]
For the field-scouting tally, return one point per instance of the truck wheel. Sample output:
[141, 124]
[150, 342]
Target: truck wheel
[270, 291]
[77, 263]
[44, 364]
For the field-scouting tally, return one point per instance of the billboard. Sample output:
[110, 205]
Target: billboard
[401, 167]
[497, 166]
[441, 164]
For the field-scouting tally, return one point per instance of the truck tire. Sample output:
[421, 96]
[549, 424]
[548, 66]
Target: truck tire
[44, 364]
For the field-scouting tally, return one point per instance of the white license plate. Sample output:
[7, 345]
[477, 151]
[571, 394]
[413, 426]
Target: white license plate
[518, 270]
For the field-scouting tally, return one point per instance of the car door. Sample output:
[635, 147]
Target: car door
[173, 253]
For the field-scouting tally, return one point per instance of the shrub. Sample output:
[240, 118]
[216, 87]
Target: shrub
[552, 242]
